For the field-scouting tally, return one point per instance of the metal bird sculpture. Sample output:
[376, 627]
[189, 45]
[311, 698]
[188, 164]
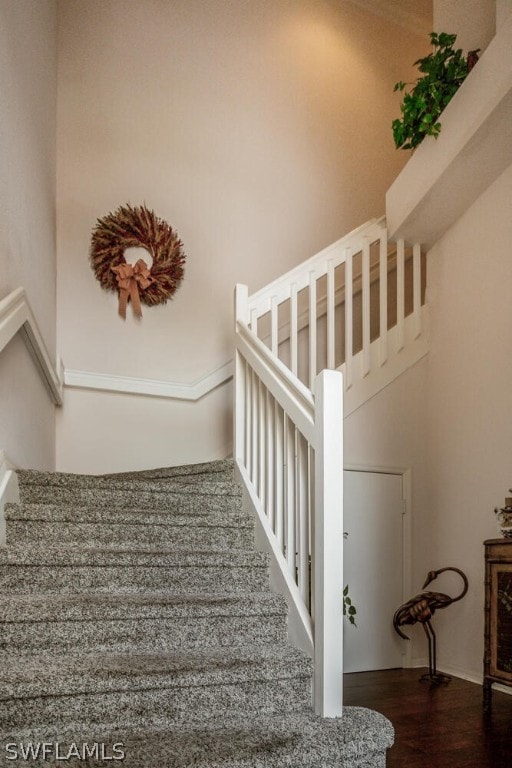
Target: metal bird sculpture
[420, 609]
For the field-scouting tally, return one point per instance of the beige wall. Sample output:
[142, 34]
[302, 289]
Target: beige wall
[469, 407]
[117, 433]
[389, 431]
[503, 12]
[28, 86]
[260, 130]
[447, 419]
[473, 21]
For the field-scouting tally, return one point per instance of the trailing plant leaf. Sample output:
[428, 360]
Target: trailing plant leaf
[349, 610]
[445, 69]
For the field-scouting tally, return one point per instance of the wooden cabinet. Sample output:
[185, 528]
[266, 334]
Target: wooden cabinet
[498, 615]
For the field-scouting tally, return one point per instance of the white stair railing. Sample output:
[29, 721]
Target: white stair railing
[289, 450]
[353, 312]
[349, 308]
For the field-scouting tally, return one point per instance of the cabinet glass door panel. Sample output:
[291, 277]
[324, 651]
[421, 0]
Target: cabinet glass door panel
[501, 618]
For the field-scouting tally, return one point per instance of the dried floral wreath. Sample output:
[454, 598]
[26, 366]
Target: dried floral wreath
[130, 227]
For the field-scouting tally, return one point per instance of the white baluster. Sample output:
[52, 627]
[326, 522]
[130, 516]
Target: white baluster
[270, 457]
[254, 428]
[248, 418]
[416, 267]
[400, 294]
[290, 495]
[254, 322]
[274, 342]
[365, 266]
[241, 403]
[330, 315]
[312, 329]
[293, 329]
[279, 476]
[383, 296]
[349, 317]
[303, 517]
[261, 441]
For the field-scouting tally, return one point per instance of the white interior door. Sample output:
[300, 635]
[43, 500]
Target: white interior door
[373, 569]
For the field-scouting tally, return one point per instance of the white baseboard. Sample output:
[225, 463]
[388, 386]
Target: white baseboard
[463, 674]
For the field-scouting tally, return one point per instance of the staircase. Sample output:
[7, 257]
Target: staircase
[311, 348]
[137, 621]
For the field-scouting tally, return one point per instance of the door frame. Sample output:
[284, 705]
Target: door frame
[406, 475]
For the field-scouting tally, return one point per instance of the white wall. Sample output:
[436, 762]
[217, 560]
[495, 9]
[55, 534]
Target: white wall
[28, 87]
[469, 406]
[260, 130]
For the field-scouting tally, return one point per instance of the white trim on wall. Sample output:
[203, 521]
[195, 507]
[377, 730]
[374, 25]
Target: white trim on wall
[105, 382]
[16, 316]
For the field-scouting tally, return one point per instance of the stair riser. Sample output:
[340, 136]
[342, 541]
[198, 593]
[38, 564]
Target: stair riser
[98, 534]
[160, 706]
[23, 580]
[142, 635]
[169, 502]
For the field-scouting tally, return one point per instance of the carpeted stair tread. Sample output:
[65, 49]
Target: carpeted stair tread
[172, 499]
[297, 740]
[66, 570]
[110, 536]
[215, 471]
[78, 673]
[43, 554]
[198, 471]
[81, 526]
[107, 607]
[135, 607]
[93, 514]
[119, 623]
[30, 478]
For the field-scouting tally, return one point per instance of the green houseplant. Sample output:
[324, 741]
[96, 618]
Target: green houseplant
[444, 70]
[349, 609]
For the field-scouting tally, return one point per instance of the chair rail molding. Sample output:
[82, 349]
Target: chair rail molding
[105, 382]
[16, 316]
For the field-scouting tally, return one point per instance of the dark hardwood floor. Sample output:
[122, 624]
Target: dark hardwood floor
[438, 727]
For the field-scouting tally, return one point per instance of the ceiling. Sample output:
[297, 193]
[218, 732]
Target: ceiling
[415, 15]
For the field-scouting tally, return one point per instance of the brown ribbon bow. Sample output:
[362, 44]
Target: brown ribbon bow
[129, 278]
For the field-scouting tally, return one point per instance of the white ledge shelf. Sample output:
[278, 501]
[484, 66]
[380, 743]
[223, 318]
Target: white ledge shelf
[446, 175]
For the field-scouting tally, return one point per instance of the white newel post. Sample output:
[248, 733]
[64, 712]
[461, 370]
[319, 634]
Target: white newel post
[242, 315]
[328, 545]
